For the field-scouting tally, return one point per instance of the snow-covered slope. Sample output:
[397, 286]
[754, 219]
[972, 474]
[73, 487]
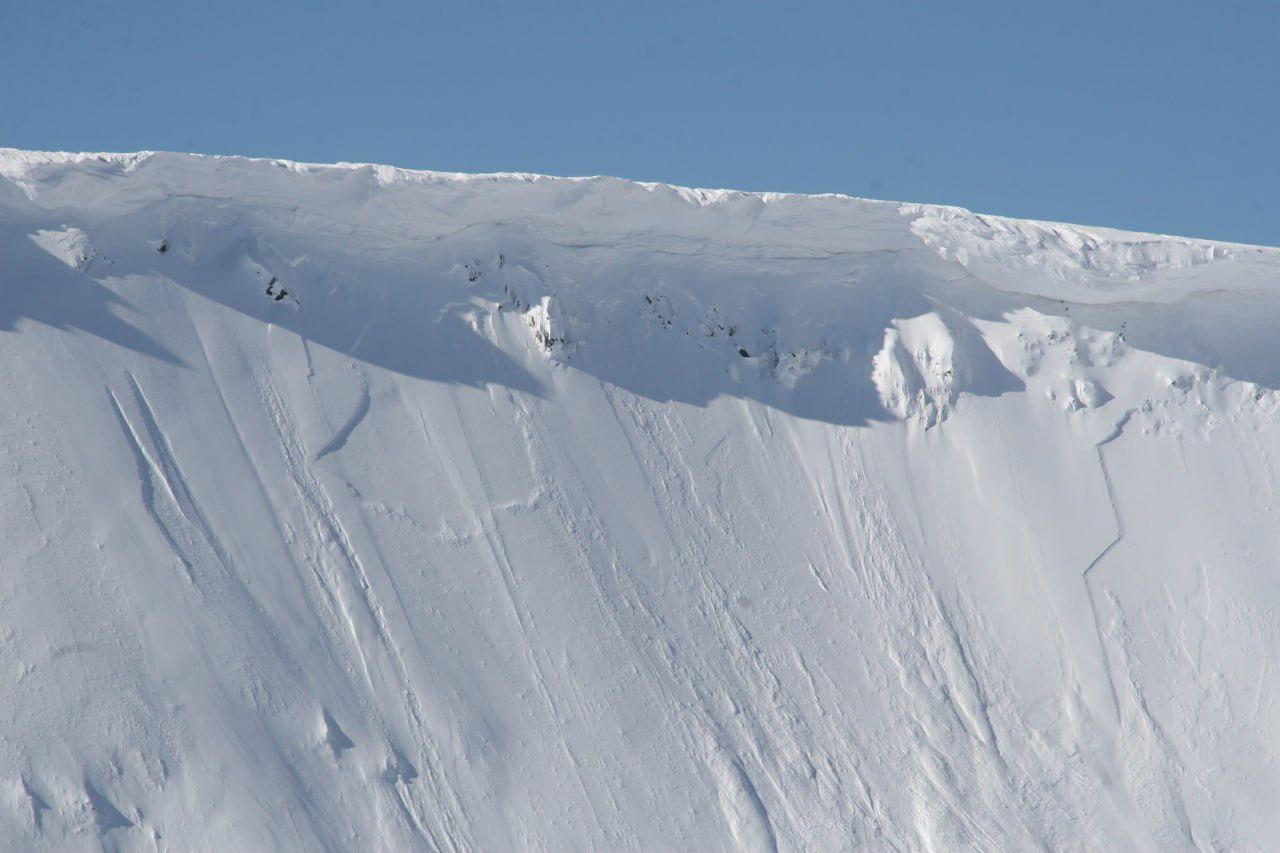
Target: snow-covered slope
[351, 507]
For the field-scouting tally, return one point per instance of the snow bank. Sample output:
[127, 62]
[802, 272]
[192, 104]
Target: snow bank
[349, 506]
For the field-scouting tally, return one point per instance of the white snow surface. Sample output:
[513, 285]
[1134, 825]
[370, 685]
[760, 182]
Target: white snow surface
[349, 507]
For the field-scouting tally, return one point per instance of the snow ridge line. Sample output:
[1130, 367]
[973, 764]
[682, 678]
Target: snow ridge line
[189, 528]
[174, 482]
[147, 469]
[339, 439]
[32, 171]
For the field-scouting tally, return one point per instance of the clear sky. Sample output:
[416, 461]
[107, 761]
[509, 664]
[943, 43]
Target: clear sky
[1157, 116]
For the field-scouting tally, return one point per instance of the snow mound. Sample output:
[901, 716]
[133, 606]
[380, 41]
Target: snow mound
[71, 246]
[918, 371]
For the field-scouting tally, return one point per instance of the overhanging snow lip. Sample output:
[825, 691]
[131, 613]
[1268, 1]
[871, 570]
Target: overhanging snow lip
[697, 196]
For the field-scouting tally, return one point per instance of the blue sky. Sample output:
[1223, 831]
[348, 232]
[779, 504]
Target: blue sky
[1159, 116]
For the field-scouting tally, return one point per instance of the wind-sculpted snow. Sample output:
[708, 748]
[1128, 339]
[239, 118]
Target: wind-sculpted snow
[352, 507]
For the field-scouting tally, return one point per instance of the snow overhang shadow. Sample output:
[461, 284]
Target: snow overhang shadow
[38, 287]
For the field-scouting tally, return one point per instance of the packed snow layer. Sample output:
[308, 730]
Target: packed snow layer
[352, 507]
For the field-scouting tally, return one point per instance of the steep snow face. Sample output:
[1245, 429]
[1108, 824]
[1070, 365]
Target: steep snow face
[345, 506]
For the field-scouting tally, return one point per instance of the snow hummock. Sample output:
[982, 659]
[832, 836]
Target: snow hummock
[351, 506]
[69, 245]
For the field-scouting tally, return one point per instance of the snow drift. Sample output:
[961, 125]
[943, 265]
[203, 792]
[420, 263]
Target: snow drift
[352, 507]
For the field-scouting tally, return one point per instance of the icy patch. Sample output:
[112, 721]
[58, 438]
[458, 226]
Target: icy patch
[70, 245]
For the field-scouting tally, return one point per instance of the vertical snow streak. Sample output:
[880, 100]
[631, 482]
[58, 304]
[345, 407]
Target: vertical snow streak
[441, 822]
[479, 507]
[174, 510]
[148, 472]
